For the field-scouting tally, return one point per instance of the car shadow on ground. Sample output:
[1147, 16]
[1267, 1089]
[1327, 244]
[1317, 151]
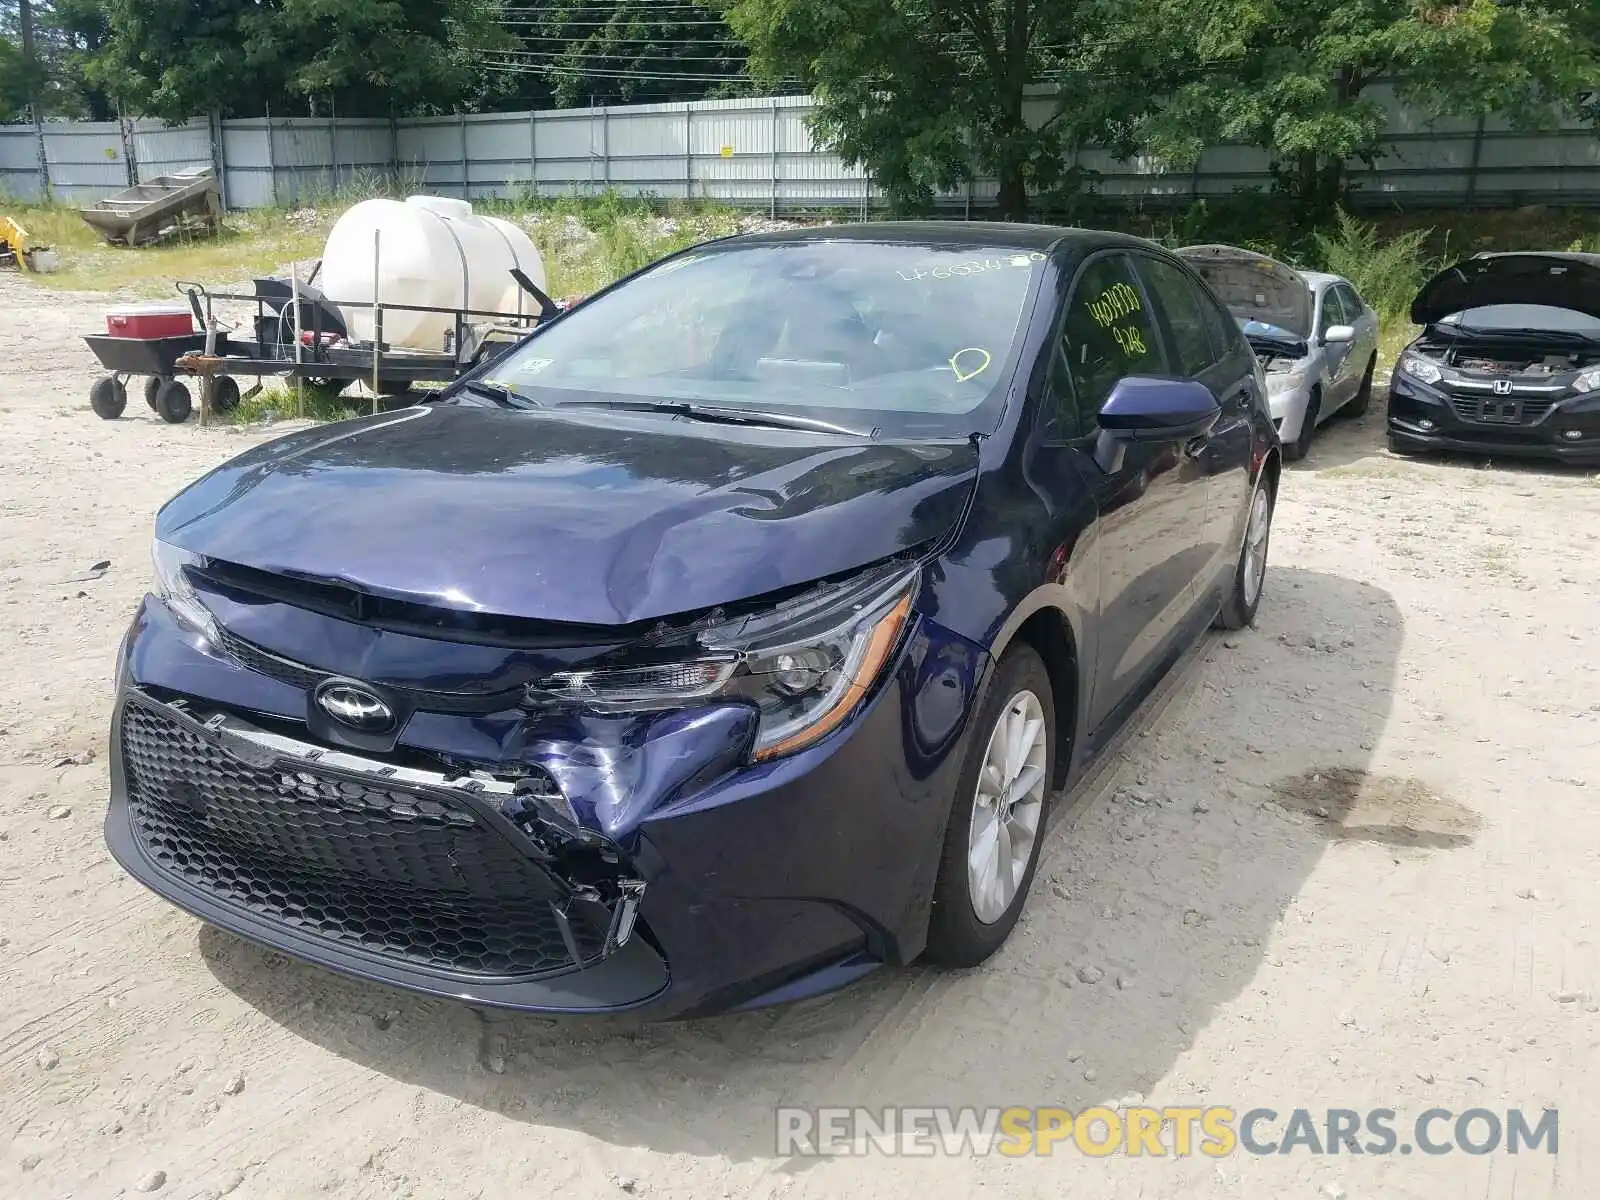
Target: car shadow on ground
[1361, 444]
[1156, 901]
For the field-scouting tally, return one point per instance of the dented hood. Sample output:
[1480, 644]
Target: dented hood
[1253, 286]
[1531, 277]
[589, 517]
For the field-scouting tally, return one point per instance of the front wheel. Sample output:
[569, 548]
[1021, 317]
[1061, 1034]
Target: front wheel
[1250, 576]
[108, 398]
[997, 822]
[1296, 450]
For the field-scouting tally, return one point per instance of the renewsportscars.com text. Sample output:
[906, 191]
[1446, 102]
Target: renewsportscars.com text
[1212, 1131]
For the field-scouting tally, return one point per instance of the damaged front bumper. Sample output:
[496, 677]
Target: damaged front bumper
[639, 865]
[464, 886]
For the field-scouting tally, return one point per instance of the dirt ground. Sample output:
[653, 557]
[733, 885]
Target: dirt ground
[1349, 859]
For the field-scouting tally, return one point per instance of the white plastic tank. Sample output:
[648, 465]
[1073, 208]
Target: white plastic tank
[432, 251]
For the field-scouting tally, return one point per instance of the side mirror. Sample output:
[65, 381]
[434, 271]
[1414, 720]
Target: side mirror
[1140, 409]
[1339, 333]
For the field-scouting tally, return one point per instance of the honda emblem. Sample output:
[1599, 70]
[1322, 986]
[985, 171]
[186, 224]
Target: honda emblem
[1502, 387]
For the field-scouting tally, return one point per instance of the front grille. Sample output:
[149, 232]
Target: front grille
[1501, 410]
[299, 675]
[404, 874]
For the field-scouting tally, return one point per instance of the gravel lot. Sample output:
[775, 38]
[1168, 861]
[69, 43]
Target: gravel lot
[1348, 859]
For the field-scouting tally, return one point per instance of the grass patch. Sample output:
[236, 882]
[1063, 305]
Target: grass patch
[248, 244]
[280, 402]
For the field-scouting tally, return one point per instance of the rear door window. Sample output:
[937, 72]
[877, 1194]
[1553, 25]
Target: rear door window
[1351, 303]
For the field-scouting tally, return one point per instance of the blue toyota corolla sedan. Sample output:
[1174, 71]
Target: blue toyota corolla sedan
[725, 640]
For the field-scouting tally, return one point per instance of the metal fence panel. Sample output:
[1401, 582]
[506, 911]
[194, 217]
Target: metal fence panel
[247, 164]
[429, 151]
[162, 150]
[86, 160]
[19, 164]
[755, 152]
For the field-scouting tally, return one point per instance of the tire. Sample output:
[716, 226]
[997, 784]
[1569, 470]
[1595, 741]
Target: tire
[394, 387]
[224, 393]
[1362, 400]
[1296, 450]
[958, 934]
[173, 402]
[151, 386]
[108, 398]
[1249, 580]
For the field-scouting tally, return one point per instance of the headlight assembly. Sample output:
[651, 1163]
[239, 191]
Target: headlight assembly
[1420, 369]
[1589, 381]
[173, 586]
[804, 665]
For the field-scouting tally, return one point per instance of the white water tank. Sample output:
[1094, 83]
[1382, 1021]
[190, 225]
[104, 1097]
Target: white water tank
[432, 251]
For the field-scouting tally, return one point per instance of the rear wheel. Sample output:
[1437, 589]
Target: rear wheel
[108, 398]
[1239, 606]
[152, 385]
[997, 823]
[173, 402]
[1296, 450]
[1362, 400]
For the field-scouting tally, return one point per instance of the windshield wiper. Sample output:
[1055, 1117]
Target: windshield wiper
[499, 393]
[731, 416]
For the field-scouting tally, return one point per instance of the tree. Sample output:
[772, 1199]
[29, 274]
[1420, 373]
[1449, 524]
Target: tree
[1295, 76]
[176, 58]
[928, 94]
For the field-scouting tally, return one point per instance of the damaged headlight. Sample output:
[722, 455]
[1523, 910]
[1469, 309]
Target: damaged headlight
[804, 665]
[173, 586]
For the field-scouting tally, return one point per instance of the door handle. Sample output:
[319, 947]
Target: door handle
[1196, 446]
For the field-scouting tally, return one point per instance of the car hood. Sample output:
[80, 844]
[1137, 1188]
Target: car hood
[594, 518]
[1541, 277]
[1253, 286]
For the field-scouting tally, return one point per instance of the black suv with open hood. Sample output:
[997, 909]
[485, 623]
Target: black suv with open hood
[1508, 362]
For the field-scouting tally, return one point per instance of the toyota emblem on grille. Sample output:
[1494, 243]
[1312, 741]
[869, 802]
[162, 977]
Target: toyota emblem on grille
[1502, 387]
[352, 705]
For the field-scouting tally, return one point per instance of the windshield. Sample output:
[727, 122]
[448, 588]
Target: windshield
[916, 340]
[1526, 316]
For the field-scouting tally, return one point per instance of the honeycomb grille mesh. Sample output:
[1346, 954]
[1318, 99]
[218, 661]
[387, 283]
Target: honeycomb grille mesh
[402, 874]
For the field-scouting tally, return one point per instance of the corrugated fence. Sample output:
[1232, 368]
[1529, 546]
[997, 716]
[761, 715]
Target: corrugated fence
[756, 153]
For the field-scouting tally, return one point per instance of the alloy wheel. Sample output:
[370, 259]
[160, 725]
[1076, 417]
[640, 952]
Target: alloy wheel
[1007, 806]
[1255, 545]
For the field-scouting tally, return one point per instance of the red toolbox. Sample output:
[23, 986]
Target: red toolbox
[149, 320]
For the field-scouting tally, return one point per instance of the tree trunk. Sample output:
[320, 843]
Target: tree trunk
[1316, 184]
[1013, 198]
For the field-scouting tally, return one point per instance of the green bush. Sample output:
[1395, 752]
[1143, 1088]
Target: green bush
[1387, 272]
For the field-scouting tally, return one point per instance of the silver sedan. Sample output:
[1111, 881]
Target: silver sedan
[1316, 338]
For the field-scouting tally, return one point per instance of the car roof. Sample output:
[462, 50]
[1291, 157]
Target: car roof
[1321, 279]
[1592, 260]
[937, 235]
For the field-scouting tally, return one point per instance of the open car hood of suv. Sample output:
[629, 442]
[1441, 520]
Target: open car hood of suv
[1547, 277]
[1253, 286]
[595, 517]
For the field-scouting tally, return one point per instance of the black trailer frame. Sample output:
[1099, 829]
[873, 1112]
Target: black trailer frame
[217, 357]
